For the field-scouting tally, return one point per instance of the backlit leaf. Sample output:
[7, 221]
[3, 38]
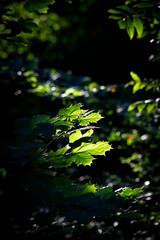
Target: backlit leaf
[72, 112]
[131, 107]
[98, 148]
[77, 135]
[129, 193]
[135, 77]
[130, 28]
[138, 26]
[91, 118]
[136, 87]
[140, 107]
[151, 107]
[81, 158]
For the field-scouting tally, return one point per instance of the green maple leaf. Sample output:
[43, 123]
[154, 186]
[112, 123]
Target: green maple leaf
[79, 159]
[98, 148]
[129, 193]
[82, 155]
[57, 159]
[72, 112]
[91, 118]
[78, 135]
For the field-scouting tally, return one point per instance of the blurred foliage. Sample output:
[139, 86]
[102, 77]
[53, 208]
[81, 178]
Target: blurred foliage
[140, 18]
[140, 15]
[35, 44]
[74, 35]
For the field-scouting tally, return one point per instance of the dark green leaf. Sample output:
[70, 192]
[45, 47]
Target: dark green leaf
[38, 5]
[143, 5]
[115, 17]
[27, 25]
[126, 8]
[39, 119]
[75, 190]
[122, 24]
[45, 129]
[114, 11]
[105, 193]
[57, 159]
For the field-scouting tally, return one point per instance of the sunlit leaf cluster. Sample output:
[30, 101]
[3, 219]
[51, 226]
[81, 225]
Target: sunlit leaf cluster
[44, 149]
[137, 17]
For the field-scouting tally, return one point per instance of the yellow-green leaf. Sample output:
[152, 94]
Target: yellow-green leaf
[129, 193]
[136, 87]
[77, 135]
[130, 28]
[135, 77]
[82, 158]
[72, 112]
[141, 106]
[138, 26]
[131, 107]
[98, 148]
[91, 118]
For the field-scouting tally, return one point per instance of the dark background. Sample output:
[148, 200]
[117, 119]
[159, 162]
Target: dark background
[94, 45]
